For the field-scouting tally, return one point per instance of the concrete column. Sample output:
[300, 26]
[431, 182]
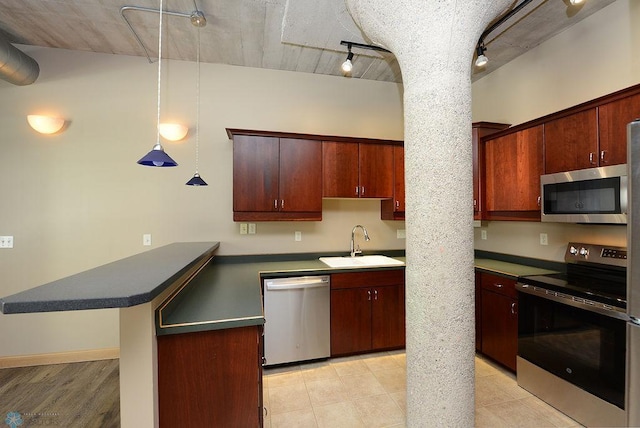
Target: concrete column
[434, 43]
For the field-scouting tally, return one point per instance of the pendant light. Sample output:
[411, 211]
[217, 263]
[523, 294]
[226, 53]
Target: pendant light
[199, 21]
[157, 156]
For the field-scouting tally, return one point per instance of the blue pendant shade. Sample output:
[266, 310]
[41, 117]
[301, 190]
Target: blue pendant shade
[157, 157]
[196, 181]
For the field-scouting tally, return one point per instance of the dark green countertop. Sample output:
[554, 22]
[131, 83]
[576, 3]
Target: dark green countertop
[227, 293]
[128, 282]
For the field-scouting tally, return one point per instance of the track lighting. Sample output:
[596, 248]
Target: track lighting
[347, 66]
[574, 2]
[481, 59]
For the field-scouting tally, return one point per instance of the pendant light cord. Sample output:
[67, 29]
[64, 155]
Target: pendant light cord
[159, 74]
[198, 102]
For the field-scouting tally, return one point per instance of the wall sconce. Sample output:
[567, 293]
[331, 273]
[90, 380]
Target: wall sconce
[45, 124]
[172, 131]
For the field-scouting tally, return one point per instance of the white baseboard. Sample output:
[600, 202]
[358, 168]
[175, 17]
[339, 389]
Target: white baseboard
[59, 358]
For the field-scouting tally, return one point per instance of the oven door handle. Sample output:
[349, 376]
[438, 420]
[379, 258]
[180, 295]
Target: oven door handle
[576, 302]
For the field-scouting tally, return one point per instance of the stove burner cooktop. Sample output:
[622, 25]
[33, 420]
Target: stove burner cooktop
[596, 273]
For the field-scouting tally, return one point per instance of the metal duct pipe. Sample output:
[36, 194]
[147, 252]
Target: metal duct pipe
[15, 66]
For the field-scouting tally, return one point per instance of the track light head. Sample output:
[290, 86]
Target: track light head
[575, 2]
[481, 59]
[347, 66]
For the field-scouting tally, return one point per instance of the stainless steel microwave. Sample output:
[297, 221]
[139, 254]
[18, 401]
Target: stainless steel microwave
[594, 195]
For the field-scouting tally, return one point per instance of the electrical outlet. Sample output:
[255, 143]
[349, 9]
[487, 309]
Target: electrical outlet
[6, 241]
[401, 234]
[297, 236]
[252, 228]
[544, 239]
[146, 239]
[483, 234]
[243, 228]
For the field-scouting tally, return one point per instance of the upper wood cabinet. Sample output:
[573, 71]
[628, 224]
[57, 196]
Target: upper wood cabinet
[571, 142]
[613, 118]
[513, 165]
[393, 209]
[480, 130]
[276, 178]
[357, 170]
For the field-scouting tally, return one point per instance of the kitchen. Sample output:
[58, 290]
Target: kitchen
[53, 209]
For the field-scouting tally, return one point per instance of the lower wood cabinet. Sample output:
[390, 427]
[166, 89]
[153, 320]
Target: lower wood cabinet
[499, 319]
[367, 311]
[211, 378]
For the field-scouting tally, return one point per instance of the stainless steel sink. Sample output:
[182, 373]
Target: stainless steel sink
[360, 261]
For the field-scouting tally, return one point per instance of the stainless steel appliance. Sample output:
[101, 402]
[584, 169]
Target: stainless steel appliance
[297, 319]
[572, 335]
[633, 274]
[594, 195]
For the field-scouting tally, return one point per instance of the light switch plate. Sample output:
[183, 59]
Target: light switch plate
[544, 240]
[483, 234]
[6, 241]
[146, 239]
[243, 228]
[252, 228]
[401, 233]
[297, 236]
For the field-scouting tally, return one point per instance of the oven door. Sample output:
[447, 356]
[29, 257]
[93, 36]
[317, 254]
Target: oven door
[574, 343]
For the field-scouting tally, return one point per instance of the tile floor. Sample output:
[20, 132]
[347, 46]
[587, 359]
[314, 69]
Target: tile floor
[369, 391]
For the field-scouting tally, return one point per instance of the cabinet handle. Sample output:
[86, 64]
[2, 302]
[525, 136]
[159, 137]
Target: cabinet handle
[281, 204]
[275, 204]
[369, 294]
[362, 192]
[264, 361]
[591, 158]
[539, 200]
[513, 308]
[602, 153]
[397, 204]
[498, 285]
[375, 294]
[266, 412]
[357, 191]
[475, 203]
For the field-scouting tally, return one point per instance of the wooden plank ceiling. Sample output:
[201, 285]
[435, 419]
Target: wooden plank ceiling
[292, 35]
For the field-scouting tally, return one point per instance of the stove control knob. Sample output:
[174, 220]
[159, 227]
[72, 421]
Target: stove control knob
[573, 250]
[584, 252]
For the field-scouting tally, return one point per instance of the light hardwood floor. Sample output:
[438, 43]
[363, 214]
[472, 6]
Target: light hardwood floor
[362, 391]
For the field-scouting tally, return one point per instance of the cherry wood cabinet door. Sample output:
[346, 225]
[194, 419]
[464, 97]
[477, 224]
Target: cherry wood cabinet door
[500, 328]
[339, 170]
[393, 209]
[255, 173]
[571, 142]
[388, 317]
[350, 320]
[513, 165]
[478, 312]
[613, 118]
[210, 379]
[376, 170]
[300, 175]
[478, 131]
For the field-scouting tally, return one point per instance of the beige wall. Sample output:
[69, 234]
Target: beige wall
[597, 56]
[77, 200]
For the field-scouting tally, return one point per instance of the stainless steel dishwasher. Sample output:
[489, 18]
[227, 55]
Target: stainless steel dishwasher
[297, 319]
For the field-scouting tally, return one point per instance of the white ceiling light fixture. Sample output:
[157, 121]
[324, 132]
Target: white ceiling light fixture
[45, 124]
[157, 156]
[173, 131]
[347, 66]
[481, 59]
[198, 20]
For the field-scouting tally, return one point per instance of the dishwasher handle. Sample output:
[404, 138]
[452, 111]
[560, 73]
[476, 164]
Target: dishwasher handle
[296, 283]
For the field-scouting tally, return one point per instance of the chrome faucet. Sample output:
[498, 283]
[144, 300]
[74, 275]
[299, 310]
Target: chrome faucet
[355, 249]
